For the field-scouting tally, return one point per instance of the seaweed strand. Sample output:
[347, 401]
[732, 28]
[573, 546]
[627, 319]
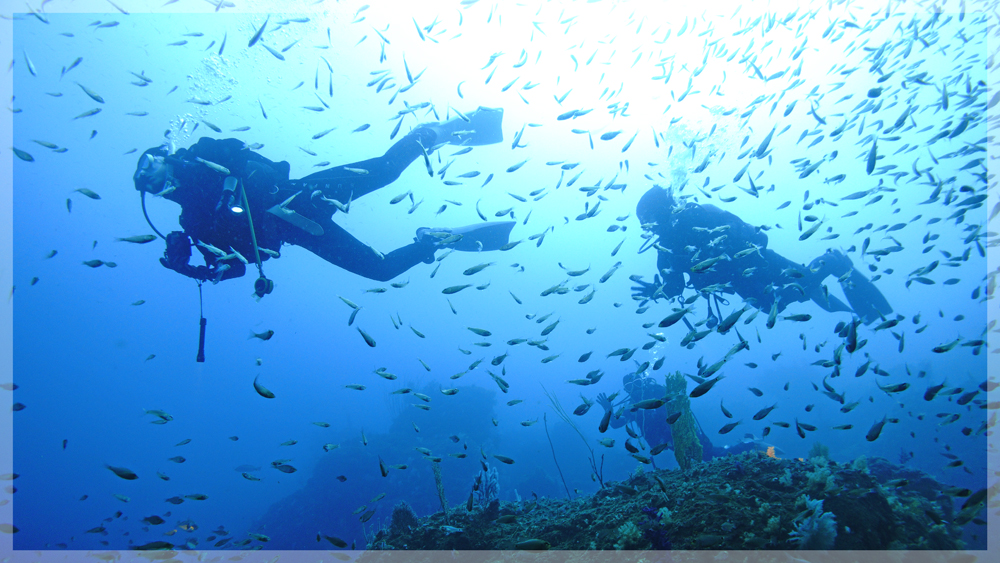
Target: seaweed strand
[562, 414]
[545, 421]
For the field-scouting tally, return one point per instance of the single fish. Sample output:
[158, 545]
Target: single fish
[266, 335]
[256, 36]
[455, 289]
[123, 472]
[261, 390]
[93, 95]
[138, 239]
[368, 339]
[876, 429]
[706, 386]
[88, 193]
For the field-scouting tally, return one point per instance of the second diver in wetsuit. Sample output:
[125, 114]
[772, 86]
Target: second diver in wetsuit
[719, 253]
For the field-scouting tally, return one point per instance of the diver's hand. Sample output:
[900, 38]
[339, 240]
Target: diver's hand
[177, 256]
[178, 251]
[646, 290]
[604, 401]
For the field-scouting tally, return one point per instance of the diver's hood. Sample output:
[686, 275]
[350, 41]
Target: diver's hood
[655, 202]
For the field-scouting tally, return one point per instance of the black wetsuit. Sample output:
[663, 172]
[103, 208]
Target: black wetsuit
[199, 190]
[695, 233]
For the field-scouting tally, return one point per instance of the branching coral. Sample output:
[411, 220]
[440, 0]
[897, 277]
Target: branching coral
[403, 518]
[489, 487]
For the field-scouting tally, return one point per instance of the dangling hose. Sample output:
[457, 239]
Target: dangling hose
[202, 321]
[648, 244]
[253, 234]
[201, 331]
[262, 286]
[146, 215]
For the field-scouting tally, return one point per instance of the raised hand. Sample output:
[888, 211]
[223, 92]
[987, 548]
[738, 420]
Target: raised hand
[646, 290]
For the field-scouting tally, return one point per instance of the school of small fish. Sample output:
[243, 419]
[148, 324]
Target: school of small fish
[868, 110]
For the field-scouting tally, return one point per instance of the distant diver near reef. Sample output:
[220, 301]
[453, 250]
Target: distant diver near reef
[238, 207]
[657, 429]
[720, 253]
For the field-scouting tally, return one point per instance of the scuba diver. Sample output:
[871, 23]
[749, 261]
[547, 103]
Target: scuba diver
[722, 254]
[651, 424]
[224, 189]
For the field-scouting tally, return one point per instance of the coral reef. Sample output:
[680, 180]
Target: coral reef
[749, 501]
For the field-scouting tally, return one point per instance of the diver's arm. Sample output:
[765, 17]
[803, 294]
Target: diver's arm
[607, 405]
[177, 257]
[740, 232]
[219, 271]
[672, 277]
[670, 285]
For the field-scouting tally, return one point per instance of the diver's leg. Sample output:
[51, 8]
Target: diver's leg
[865, 299]
[832, 263]
[828, 302]
[340, 248]
[351, 181]
[786, 288]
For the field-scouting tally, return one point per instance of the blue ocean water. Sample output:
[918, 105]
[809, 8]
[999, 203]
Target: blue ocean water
[699, 92]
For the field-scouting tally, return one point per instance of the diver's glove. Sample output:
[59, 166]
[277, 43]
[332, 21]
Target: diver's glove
[177, 256]
[178, 251]
[604, 401]
[646, 290]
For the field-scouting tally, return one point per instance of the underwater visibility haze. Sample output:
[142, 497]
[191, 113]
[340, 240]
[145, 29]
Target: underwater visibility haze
[461, 403]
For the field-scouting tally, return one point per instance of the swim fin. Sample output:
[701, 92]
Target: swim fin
[866, 300]
[472, 238]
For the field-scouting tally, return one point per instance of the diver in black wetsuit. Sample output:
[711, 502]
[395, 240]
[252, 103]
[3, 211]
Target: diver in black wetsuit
[215, 180]
[651, 424]
[689, 236]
